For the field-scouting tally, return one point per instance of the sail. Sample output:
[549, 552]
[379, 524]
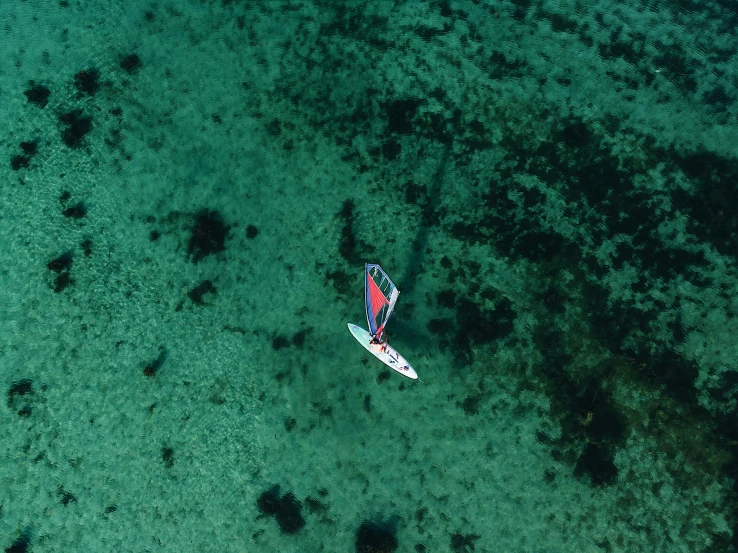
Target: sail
[380, 295]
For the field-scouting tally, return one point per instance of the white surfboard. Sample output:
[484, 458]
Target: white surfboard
[389, 355]
[380, 296]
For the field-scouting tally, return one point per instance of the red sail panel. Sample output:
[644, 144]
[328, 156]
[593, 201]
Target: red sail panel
[380, 295]
[377, 298]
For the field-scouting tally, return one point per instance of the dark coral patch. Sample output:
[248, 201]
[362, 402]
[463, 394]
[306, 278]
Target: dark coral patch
[87, 81]
[38, 94]
[21, 544]
[130, 63]
[20, 395]
[500, 65]
[274, 127]
[461, 543]
[208, 235]
[352, 249]
[576, 135]
[342, 281]
[316, 506]
[597, 462]
[348, 245]
[474, 324]
[268, 502]
[62, 281]
[593, 427]
[384, 375]
[66, 497]
[711, 217]
[76, 211]
[287, 510]
[153, 367]
[299, 338]
[167, 457]
[61, 265]
[400, 114]
[670, 369]
[483, 326]
[78, 126]
[280, 342]
[289, 517]
[19, 388]
[205, 287]
[374, 537]
[30, 147]
[19, 162]
[446, 298]
[391, 149]
[470, 405]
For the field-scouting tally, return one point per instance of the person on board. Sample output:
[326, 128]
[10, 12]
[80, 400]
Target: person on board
[379, 340]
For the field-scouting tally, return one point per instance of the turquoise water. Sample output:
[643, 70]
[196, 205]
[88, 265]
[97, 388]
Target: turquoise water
[189, 191]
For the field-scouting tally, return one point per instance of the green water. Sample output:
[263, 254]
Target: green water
[189, 192]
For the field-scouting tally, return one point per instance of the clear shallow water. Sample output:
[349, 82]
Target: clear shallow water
[190, 191]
